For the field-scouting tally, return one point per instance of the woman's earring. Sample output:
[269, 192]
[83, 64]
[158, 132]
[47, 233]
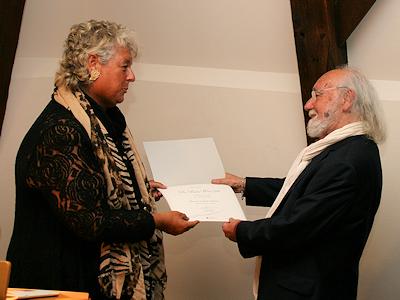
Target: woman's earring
[94, 74]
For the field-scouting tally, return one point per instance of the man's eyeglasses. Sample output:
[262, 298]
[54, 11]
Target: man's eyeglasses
[315, 93]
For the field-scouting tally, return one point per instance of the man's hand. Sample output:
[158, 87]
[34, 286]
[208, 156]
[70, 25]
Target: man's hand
[235, 182]
[229, 229]
[173, 222]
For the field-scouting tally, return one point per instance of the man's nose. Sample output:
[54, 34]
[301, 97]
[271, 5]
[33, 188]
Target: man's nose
[309, 104]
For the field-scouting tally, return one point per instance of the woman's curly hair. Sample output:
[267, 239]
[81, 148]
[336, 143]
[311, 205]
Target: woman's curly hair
[92, 37]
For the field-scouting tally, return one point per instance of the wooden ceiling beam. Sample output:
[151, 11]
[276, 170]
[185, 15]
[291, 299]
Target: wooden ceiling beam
[321, 28]
[349, 14]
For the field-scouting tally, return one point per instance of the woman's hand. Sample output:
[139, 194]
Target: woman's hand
[154, 186]
[235, 182]
[173, 222]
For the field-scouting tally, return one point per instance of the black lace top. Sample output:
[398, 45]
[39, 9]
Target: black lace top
[61, 212]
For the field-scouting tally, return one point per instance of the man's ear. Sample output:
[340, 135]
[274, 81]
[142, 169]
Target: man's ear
[349, 97]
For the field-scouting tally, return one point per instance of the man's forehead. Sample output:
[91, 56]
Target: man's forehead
[323, 83]
[329, 79]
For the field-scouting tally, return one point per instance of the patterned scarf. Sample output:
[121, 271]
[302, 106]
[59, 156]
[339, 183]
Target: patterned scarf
[135, 270]
[299, 164]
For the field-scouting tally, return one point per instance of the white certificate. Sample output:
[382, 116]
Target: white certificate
[187, 167]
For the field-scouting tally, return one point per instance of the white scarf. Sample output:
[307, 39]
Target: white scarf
[299, 164]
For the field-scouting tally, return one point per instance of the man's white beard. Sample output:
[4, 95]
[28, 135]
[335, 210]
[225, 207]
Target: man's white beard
[317, 128]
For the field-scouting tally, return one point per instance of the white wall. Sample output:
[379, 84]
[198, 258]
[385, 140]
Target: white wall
[375, 47]
[225, 69]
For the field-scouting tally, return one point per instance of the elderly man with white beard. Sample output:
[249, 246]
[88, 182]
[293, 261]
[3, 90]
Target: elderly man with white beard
[310, 243]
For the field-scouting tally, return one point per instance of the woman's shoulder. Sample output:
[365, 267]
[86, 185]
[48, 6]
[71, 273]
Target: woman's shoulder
[55, 120]
[54, 114]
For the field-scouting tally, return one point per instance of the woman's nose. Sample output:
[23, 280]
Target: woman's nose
[131, 76]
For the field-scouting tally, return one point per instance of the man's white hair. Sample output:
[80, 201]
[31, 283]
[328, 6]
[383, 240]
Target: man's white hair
[366, 105]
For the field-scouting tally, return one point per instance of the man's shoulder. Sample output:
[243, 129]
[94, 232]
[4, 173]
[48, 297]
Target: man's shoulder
[354, 151]
[358, 143]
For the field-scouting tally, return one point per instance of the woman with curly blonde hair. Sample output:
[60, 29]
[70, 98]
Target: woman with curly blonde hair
[83, 202]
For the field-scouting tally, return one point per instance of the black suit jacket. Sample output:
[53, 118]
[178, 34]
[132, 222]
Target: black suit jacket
[312, 245]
